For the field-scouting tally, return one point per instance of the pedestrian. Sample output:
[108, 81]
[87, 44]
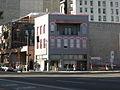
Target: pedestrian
[106, 67]
[74, 67]
[67, 68]
[91, 67]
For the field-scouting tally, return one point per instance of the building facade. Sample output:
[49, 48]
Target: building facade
[61, 41]
[14, 9]
[98, 10]
[17, 44]
[104, 39]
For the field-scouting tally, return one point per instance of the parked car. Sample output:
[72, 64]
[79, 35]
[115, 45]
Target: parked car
[6, 68]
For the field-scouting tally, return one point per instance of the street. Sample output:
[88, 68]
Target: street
[60, 81]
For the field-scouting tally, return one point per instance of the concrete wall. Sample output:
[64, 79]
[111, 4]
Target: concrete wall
[104, 38]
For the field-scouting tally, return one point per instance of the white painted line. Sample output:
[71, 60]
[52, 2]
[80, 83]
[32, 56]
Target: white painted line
[40, 85]
[22, 88]
[7, 85]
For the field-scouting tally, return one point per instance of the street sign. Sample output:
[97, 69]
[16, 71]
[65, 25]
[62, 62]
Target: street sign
[96, 58]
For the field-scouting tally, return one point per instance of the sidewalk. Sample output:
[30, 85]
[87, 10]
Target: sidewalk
[111, 71]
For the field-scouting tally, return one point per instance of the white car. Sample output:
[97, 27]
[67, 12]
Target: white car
[4, 68]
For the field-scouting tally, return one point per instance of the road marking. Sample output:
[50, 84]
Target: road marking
[21, 88]
[40, 85]
[70, 81]
[7, 85]
[109, 80]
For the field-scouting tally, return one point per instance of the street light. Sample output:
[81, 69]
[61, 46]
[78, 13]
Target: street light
[27, 53]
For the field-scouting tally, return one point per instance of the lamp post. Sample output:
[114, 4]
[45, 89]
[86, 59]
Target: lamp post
[27, 52]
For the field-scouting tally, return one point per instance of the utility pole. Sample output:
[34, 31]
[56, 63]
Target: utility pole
[27, 52]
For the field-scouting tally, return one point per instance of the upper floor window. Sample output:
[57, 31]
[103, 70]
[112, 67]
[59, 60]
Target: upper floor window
[81, 10]
[77, 43]
[104, 11]
[112, 18]
[83, 28]
[44, 29]
[84, 43]
[44, 43]
[104, 3]
[40, 29]
[68, 29]
[91, 3]
[58, 43]
[80, 2]
[116, 4]
[37, 30]
[91, 10]
[52, 27]
[99, 10]
[85, 9]
[99, 18]
[52, 43]
[85, 2]
[99, 3]
[104, 18]
[117, 18]
[91, 17]
[112, 11]
[65, 43]
[71, 43]
[111, 4]
[117, 11]
[41, 43]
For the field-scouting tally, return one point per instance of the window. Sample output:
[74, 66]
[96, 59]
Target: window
[67, 31]
[83, 28]
[41, 43]
[77, 43]
[85, 2]
[44, 29]
[65, 43]
[112, 18]
[85, 9]
[91, 10]
[116, 4]
[111, 4]
[40, 29]
[44, 43]
[112, 11]
[37, 38]
[104, 3]
[37, 30]
[84, 43]
[91, 17]
[71, 43]
[52, 27]
[81, 10]
[104, 11]
[99, 18]
[52, 43]
[91, 3]
[58, 43]
[104, 18]
[117, 18]
[99, 3]
[117, 12]
[80, 2]
[99, 10]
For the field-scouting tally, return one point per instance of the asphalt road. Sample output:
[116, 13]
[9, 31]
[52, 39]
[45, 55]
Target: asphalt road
[60, 81]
